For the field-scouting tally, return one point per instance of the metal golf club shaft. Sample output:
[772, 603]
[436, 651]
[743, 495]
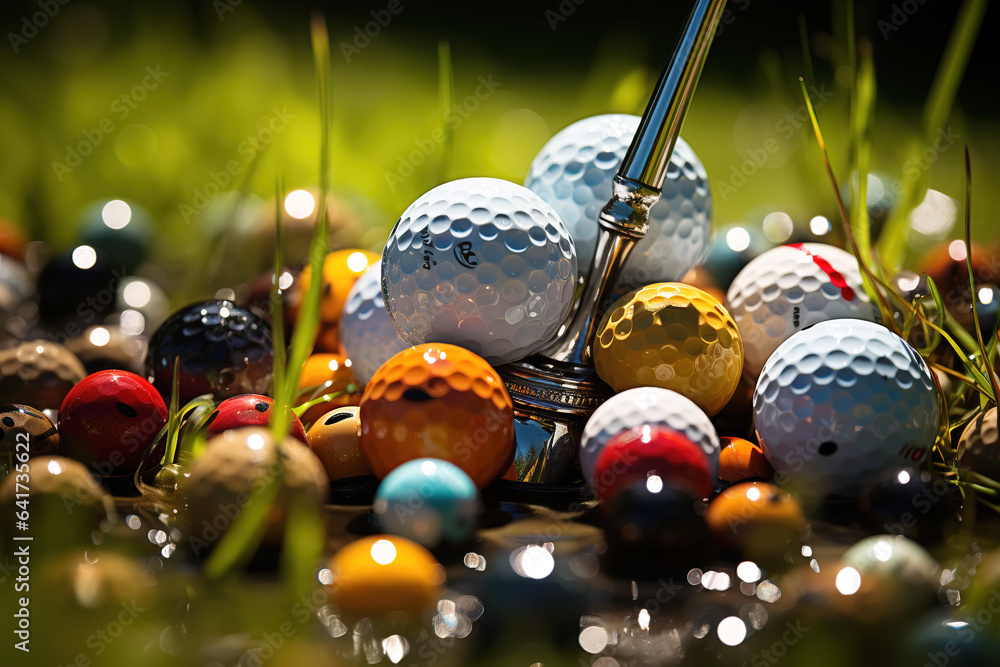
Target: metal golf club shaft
[556, 391]
[625, 218]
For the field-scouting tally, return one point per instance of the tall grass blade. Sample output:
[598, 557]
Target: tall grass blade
[937, 109]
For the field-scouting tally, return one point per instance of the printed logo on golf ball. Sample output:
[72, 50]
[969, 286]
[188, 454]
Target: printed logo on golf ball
[481, 263]
[789, 288]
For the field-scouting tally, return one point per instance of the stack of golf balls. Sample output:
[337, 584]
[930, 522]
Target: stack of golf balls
[574, 172]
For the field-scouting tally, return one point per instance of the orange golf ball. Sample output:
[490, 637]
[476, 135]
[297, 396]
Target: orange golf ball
[384, 573]
[341, 269]
[740, 460]
[438, 401]
[327, 374]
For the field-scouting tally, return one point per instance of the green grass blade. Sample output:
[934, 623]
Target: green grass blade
[446, 92]
[237, 546]
[852, 77]
[173, 415]
[982, 384]
[862, 125]
[303, 545]
[308, 318]
[279, 414]
[300, 410]
[937, 109]
[985, 355]
[807, 63]
[869, 279]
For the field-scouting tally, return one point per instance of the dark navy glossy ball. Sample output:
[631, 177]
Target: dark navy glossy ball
[651, 528]
[71, 298]
[224, 350]
[909, 502]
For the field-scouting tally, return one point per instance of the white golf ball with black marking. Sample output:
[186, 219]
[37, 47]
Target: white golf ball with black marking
[481, 263]
[789, 288]
[840, 402]
[574, 172]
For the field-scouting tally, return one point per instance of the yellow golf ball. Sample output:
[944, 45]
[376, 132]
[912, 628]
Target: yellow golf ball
[673, 336]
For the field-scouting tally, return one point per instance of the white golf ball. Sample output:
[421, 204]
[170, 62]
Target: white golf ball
[651, 406]
[481, 263]
[366, 331]
[842, 401]
[789, 288]
[574, 172]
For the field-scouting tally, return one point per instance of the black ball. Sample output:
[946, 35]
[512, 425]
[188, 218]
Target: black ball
[652, 532]
[72, 298]
[909, 502]
[224, 350]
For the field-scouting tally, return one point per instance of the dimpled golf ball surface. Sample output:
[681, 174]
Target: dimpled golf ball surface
[427, 501]
[673, 336]
[481, 263]
[438, 401]
[366, 331]
[789, 288]
[574, 173]
[224, 350]
[842, 401]
[643, 406]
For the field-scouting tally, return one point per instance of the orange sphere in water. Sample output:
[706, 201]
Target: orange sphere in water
[327, 374]
[438, 401]
[760, 519]
[384, 573]
[740, 459]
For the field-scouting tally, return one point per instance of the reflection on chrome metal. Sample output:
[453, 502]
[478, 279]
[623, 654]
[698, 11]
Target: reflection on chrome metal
[555, 391]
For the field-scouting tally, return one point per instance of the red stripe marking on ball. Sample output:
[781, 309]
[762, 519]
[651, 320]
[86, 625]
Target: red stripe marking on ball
[835, 276]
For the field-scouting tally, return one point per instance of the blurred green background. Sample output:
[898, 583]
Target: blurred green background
[228, 67]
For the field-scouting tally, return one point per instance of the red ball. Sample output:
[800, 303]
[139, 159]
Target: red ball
[248, 410]
[633, 456]
[108, 419]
